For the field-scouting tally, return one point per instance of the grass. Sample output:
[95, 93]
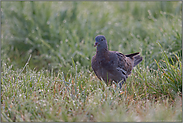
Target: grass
[45, 96]
[46, 56]
[55, 32]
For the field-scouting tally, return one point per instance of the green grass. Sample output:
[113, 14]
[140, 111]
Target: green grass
[45, 96]
[55, 32]
[46, 56]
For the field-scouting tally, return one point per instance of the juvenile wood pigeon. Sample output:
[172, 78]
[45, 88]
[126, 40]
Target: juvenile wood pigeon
[112, 65]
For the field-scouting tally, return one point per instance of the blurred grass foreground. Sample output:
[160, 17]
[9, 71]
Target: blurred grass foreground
[46, 51]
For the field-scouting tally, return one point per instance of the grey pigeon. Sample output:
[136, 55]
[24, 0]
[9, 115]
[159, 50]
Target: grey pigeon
[112, 65]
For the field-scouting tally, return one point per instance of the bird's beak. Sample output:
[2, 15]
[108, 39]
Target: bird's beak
[96, 43]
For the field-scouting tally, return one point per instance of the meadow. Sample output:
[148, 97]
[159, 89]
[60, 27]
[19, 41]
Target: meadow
[46, 51]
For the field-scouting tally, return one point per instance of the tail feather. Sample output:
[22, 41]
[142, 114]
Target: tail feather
[132, 55]
[137, 60]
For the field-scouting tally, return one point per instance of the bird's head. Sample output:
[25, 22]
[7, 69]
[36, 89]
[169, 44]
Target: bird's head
[100, 42]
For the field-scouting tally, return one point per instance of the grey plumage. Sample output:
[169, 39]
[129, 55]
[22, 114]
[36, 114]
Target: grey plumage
[137, 60]
[112, 65]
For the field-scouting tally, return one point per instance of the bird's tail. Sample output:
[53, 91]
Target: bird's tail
[137, 60]
[132, 55]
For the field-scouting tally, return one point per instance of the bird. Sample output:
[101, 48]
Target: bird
[112, 65]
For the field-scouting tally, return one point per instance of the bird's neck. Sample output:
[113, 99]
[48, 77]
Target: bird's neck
[101, 51]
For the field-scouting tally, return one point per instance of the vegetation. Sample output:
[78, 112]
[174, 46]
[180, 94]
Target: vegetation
[46, 56]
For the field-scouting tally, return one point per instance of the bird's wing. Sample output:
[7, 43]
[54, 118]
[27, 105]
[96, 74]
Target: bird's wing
[125, 64]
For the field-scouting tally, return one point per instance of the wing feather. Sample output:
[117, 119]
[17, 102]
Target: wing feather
[125, 64]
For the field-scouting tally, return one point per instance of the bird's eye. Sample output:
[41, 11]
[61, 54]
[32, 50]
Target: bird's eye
[102, 39]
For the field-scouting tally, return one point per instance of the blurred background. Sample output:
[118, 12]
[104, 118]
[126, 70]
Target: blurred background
[59, 35]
